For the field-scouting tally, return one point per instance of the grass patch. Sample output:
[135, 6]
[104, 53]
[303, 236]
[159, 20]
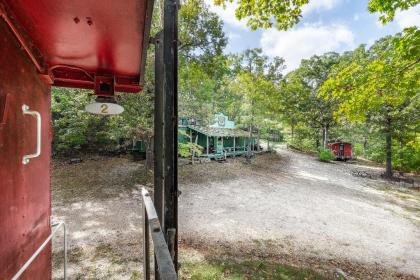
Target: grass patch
[236, 270]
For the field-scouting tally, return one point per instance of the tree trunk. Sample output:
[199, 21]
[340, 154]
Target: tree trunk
[325, 136]
[365, 143]
[248, 154]
[192, 150]
[249, 146]
[293, 131]
[317, 144]
[401, 151]
[388, 148]
[250, 136]
[258, 141]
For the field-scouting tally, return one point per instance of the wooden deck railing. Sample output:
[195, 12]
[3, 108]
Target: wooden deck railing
[151, 225]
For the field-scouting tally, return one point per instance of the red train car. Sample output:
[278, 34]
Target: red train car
[341, 150]
[98, 45]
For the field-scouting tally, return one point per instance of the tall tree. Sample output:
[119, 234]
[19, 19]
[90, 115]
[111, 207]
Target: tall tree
[256, 79]
[202, 63]
[378, 86]
[299, 97]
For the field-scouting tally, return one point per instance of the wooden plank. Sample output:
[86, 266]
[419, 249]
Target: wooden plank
[158, 145]
[234, 146]
[158, 139]
[170, 60]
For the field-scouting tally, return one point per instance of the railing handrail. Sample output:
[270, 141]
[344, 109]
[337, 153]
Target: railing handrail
[163, 257]
[40, 248]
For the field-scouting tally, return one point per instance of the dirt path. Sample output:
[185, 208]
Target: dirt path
[102, 209]
[303, 207]
[286, 208]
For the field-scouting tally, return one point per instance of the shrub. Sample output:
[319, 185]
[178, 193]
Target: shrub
[325, 155]
[186, 149]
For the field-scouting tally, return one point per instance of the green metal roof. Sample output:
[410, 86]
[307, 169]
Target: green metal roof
[219, 132]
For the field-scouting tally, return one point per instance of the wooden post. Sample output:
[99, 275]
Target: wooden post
[170, 60]
[207, 145]
[166, 129]
[158, 127]
[234, 146]
[158, 146]
[192, 153]
[258, 140]
[196, 141]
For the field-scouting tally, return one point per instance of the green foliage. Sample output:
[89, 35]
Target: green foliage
[254, 84]
[200, 31]
[202, 41]
[187, 149]
[74, 129]
[357, 149]
[325, 155]
[260, 14]
[407, 158]
[358, 96]
[387, 8]
[202, 65]
[184, 150]
[380, 87]
[309, 116]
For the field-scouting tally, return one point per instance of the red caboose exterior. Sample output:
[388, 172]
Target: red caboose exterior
[44, 43]
[341, 150]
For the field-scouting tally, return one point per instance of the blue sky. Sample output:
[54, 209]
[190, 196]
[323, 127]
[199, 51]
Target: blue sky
[327, 25]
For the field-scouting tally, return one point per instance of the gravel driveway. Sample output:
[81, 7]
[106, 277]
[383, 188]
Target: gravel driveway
[288, 208]
[306, 208]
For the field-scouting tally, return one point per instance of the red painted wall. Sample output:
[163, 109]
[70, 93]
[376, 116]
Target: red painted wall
[335, 148]
[25, 206]
[102, 37]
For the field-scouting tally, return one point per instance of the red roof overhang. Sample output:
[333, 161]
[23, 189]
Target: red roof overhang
[73, 42]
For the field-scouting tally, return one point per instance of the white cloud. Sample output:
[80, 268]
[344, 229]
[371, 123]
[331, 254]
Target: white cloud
[233, 36]
[305, 41]
[318, 5]
[227, 14]
[410, 17]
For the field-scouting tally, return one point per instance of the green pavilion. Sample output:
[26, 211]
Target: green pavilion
[219, 140]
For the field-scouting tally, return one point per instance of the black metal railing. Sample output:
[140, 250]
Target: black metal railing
[151, 226]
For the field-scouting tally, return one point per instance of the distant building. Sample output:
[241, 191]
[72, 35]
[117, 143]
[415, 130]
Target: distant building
[220, 139]
[341, 150]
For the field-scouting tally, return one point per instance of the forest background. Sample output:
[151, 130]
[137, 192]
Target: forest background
[368, 96]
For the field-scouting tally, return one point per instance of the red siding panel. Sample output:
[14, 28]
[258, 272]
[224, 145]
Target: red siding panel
[25, 206]
[345, 153]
